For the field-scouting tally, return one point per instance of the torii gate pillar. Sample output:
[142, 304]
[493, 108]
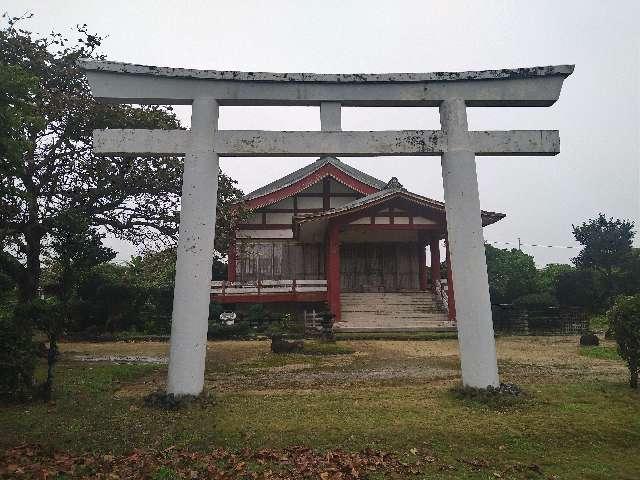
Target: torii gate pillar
[195, 253]
[466, 249]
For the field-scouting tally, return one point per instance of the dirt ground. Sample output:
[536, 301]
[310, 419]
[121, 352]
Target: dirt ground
[249, 366]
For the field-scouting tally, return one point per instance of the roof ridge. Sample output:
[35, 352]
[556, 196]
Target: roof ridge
[308, 169]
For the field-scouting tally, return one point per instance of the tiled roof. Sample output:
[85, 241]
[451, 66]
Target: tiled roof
[308, 170]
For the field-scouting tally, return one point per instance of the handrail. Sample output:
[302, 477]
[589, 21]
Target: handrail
[264, 287]
[442, 292]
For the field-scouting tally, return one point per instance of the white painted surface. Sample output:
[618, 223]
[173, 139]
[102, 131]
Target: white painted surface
[337, 202]
[284, 203]
[254, 218]
[247, 143]
[466, 246]
[126, 83]
[330, 117]
[309, 202]
[361, 221]
[195, 254]
[339, 187]
[401, 220]
[279, 217]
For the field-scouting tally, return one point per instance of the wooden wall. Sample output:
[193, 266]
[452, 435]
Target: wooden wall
[379, 267]
[279, 260]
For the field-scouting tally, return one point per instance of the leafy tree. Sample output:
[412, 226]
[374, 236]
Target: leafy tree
[624, 317]
[512, 274]
[607, 243]
[49, 169]
[75, 249]
[581, 288]
[17, 358]
[536, 300]
[55, 171]
[17, 112]
[547, 278]
[111, 301]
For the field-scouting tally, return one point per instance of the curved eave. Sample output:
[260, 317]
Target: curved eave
[488, 218]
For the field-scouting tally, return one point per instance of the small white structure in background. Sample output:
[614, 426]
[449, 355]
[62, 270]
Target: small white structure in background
[206, 90]
[228, 318]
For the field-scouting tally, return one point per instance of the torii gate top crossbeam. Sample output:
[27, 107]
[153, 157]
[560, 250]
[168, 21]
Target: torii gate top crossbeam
[115, 82]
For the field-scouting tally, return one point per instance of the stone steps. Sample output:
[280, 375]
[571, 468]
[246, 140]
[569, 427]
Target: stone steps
[392, 312]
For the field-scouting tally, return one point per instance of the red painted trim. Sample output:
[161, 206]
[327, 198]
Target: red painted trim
[354, 195]
[333, 269]
[292, 210]
[262, 226]
[327, 170]
[392, 226]
[374, 208]
[271, 298]
[450, 292]
[231, 261]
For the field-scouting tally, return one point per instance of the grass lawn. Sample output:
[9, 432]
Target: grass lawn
[579, 420]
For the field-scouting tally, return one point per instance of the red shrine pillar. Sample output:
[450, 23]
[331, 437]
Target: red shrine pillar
[434, 248]
[231, 260]
[422, 271]
[333, 269]
[450, 294]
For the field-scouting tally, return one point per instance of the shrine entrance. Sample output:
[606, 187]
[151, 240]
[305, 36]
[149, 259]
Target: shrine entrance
[206, 90]
[380, 267]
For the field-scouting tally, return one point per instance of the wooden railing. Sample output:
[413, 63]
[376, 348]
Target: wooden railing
[266, 287]
[442, 291]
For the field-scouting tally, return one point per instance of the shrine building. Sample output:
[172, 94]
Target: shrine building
[329, 236]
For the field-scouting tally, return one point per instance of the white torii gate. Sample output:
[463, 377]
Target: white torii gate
[202, 146]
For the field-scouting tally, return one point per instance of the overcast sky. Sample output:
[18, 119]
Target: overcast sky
[597, 114]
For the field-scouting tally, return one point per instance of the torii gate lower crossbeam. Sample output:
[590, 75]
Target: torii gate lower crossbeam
[202, 146]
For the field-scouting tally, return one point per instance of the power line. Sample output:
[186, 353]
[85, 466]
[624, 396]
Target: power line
[520, 244]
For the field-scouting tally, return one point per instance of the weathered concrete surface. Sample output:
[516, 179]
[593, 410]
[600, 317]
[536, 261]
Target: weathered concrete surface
[330, 117]
[125, 83]
[195, 254]
[506, 73]
[466, 246]
[248, 143]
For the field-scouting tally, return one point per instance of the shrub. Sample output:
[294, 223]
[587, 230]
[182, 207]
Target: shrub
[624, 318]
[581, 288]
[220, 331]
[536, 300]
[506, 395]
[18, 355]
[258, 315]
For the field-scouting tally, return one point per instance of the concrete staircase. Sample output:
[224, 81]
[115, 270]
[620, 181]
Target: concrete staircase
[392, 312]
